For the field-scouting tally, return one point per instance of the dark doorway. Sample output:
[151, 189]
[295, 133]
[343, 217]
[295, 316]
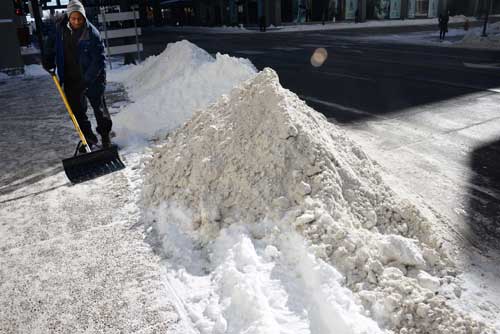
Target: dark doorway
[340, 12]
[318, 6]
[370, 10]
[286, 11]
[252, 12]
[218, 18]
[459, 7]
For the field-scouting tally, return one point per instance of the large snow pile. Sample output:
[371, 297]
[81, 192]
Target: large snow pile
[474, 37]
[262, 157]
[166, 89]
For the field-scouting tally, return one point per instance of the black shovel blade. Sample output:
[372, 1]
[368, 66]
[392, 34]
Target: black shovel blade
[91, 165]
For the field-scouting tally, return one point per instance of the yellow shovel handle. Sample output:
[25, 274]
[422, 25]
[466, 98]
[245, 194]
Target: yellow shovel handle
[73, 118]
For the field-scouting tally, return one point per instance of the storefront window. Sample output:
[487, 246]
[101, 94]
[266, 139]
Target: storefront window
[302, 11]
[411, 9]
[395, 9]
[351, 8]
[433, 8]
[383, 9]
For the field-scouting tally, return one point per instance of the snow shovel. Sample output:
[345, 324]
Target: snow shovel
[92, 164]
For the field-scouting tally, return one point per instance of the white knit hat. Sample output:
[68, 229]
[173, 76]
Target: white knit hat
[75, 6]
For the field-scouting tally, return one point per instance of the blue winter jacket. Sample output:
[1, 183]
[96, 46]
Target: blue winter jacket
[91, 52]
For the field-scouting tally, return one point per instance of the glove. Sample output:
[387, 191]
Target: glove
[49, 66]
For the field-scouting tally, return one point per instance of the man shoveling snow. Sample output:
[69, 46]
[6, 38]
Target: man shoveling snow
[78, 52]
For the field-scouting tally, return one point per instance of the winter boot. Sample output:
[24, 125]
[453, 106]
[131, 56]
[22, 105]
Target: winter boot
[105, 140]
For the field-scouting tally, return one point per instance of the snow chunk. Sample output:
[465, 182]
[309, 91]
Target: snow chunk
[428, 281]
[402, 250]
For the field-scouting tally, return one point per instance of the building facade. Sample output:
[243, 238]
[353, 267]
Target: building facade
[10, 61]
[250, 12]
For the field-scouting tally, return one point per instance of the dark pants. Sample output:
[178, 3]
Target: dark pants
[262, 23]
[77, 97]
[442, 32]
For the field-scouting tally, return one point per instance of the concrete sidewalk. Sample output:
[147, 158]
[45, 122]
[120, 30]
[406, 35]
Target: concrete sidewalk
[457, 21]
[72, 258]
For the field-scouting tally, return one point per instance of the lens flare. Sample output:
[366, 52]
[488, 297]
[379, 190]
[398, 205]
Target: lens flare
[319, 57]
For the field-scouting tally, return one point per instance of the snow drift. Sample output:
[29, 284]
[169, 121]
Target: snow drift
[474, 38]
[166, 89]
[261, 154]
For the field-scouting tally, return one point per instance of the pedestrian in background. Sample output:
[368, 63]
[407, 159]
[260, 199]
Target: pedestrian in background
[77, 51]
[443, 25]
[466, 25]
[262, 23]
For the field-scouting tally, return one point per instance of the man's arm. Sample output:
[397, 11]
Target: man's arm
[49, 52]
[97, 65]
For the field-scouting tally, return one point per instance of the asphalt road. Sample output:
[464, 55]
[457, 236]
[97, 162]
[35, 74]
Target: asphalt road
[360, 79]
[373, 77]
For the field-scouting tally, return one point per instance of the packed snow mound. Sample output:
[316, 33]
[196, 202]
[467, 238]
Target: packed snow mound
[460, 18]
[474, 37]
[33, 70]
[167, 89]
[255, 278]
[262, 154]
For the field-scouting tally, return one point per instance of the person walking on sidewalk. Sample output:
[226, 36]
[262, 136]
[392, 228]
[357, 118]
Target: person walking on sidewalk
[443, 25]
[77, 51]
[262, 23]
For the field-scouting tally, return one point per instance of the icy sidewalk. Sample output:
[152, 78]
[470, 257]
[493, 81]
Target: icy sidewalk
[457, 37]
[71, 260]
[317, 26]
[442, 156]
